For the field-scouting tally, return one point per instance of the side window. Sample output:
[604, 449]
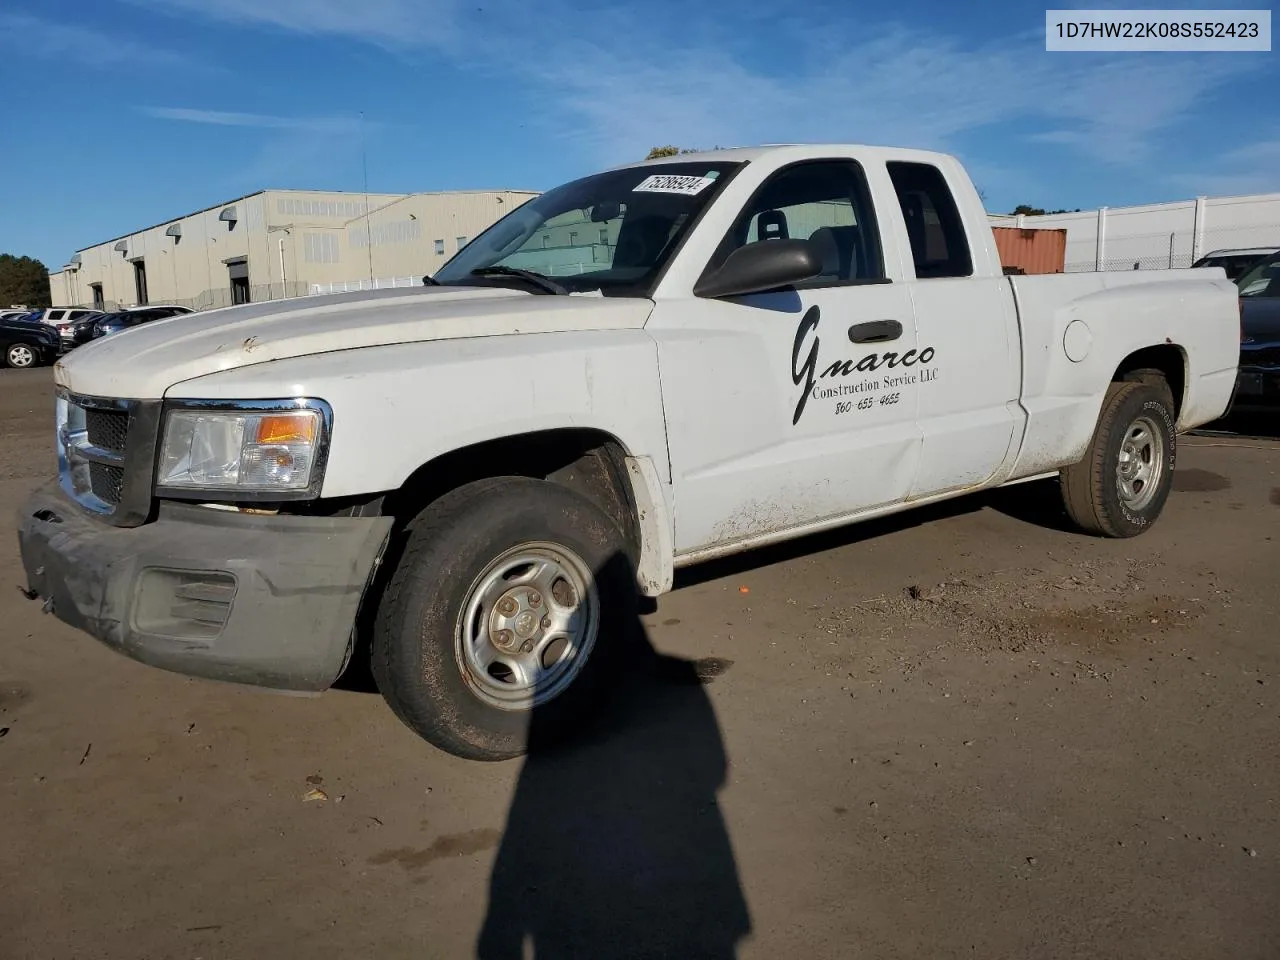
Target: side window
[934, 227]
[824, 201]
[1272, 277]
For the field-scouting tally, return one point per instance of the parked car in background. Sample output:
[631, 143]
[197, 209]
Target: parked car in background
[73, 333]
[26, 342]
[1258, 385]
[56, 315]
[134, 316]
[1235, 261]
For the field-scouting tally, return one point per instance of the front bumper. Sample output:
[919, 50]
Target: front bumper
[1257, 388]
[248, 598]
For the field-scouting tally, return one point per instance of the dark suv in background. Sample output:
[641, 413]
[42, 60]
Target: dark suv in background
[1258, 385]
[124, 319]
[27, 342]
[1235, 262]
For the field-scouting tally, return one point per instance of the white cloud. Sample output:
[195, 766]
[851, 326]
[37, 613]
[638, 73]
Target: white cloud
[1252, 168]
[289, 146]
[899, 88]
[25, 36]
[220, 118]
[388, 23]
[616, 82]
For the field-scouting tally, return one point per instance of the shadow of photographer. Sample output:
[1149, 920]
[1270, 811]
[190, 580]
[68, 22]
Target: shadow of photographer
[615, 845]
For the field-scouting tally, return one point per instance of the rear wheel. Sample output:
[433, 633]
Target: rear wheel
[1121, 485]
[503, 610]
[20, 355]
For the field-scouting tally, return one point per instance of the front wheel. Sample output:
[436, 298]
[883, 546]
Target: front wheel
[1121, 485]
[20, 355]
[501, 617]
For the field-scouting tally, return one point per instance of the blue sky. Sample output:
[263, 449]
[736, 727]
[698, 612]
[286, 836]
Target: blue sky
[125, 113]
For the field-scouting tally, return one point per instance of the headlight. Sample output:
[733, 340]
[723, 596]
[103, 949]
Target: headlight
[250, 450]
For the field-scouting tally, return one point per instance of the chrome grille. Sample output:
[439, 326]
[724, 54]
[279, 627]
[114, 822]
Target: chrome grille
[92, 436]
[106, 482]
[107, 429]
[106, 454]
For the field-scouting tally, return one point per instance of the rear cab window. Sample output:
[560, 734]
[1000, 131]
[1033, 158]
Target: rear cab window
[935, 228]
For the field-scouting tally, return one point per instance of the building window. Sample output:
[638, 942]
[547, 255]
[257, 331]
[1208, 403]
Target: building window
[439, 248]
[99, 301]
[604, 235]
[238, 274]
[140, 281]
[546, 241]
[462, 242]
[573, 238]
[320, 248]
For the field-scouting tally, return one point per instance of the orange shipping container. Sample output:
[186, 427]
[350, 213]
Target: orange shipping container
[1031, 251]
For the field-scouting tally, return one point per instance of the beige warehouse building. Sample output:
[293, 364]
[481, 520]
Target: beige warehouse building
[281, 243]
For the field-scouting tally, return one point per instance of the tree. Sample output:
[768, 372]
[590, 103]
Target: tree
[670, 151]
[24, 281]
[1026, 211]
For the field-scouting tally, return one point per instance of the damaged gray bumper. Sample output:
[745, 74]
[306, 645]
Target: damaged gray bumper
[248, 598]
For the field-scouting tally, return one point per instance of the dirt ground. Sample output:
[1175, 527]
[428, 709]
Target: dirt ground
[1053, 746]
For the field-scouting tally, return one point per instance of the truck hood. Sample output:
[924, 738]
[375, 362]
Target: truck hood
[142, 363]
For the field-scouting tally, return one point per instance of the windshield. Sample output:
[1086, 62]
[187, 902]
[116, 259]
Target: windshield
[1262, 280]
[613, 232]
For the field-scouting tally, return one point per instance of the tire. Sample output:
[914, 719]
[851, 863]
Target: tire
[1121, 485]
[447, 607]
[21, 356]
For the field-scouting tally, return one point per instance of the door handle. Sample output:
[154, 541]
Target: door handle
[875, 331]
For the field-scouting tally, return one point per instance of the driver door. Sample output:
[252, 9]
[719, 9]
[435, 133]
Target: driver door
[789, 408]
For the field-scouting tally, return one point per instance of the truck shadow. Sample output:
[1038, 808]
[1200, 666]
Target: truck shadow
[1037, 503]
[614, 844]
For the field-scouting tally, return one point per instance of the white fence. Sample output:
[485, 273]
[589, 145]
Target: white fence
[378, 283]
[1160, 236]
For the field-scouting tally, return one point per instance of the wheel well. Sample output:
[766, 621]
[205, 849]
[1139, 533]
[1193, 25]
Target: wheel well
[1166, 360]
[590, 462]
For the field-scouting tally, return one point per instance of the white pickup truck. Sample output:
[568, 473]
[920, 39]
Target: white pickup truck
[636, 371]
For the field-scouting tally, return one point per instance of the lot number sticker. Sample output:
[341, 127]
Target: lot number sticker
[670, 183]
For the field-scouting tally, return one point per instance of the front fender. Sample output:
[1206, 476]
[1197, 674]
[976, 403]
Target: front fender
[399, 406]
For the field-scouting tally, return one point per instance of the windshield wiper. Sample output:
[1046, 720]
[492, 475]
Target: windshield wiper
[430, 281]
[545, 284]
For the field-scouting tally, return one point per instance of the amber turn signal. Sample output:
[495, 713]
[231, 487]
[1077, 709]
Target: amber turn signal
[286, 428]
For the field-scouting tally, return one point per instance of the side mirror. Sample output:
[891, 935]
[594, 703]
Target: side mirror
[605, 211]
[763, 265]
